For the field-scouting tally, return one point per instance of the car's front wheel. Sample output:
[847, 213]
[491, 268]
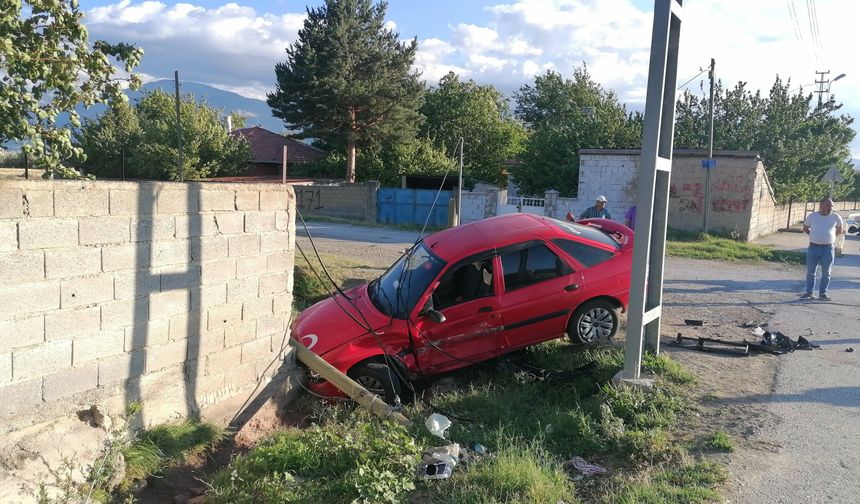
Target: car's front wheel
[378, 379]
[592, 321]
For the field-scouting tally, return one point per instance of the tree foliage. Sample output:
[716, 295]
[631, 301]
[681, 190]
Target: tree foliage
[564, 116]
[347, 80]
[47, 67]
[146, 134]
[480, 115]
[799, 139]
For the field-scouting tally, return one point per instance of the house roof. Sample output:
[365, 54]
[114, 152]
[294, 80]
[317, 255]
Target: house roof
[268, 147]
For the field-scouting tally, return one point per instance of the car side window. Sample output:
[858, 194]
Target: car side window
[531, 265]
[463, 283]
[586, 254]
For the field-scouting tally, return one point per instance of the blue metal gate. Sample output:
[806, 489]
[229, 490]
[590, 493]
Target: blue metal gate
[412, 206]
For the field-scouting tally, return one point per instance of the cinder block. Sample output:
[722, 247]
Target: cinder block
[208, 295]
[40, 360]
[121, 367]
[70, 382]
[72, 262]
[244, 245]
[270, 325]
[19, 333]
[230, 222]
[91, 348]
[241, 376]
[247, 200]
[214, 200]
[274, 200]
[185, 276]
[21, 396]
[274, 242]
[255, 308]
[8, 236]
[283, 219]
[135, 256]
[255, 350]
[66, 324]
[86, 291]
[164, 356]
[88, 201]
[186, 325]
[133, 285]
[47, 233]
[167, 304]
[21, 267]
[5, 368]
[175, 202]
[167, 253]
[152, 229]
[129, 202]
[205, 343]
[240, 333]
[217, 272]
[11, 203]
[241, 289]
[24, 299]
[124, 313]
[279, 262]
[105, 230]
[283, 303]
[195, 225]
[258, 222]
[223, 361]
[273, 284]
[145, 334]
[251, 266]
[38, 203]
[221, 316]
[210, 248]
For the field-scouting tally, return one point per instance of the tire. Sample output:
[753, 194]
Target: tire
[378, 379]
[592, 321]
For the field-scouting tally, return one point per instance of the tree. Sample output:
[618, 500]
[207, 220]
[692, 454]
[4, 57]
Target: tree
[146, 133]
[564, 116]
[478, 114]
[347, 80]
[798, 140]
[48, 68]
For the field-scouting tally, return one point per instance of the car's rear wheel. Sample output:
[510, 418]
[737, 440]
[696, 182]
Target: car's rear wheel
[593, 321]
[378, 379]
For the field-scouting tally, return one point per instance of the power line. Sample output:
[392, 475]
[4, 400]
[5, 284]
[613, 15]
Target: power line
[693, 78]
[792, 12]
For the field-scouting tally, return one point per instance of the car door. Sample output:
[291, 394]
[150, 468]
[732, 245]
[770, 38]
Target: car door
[540, 289]
[472, 331]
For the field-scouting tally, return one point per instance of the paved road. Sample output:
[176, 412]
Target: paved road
[816, 397]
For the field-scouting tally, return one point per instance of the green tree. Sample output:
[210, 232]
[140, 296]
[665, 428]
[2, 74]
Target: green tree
[478, 114]
[347, 80]
[564, 116]
[146, 132]
[48, 68]
[799, 139]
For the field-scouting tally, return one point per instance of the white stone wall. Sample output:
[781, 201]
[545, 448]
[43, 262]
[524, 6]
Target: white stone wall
[612, 176]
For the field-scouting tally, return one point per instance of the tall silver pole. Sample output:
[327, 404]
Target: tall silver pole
[710, 149]
[179, 128]
[460, 184]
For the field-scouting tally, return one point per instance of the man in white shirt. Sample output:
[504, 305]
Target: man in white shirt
[822, 227]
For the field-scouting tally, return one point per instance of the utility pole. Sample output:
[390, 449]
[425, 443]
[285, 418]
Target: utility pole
[821, 82]
[710, 149]
[179, 128]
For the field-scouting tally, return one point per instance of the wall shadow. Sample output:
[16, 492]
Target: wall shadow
[843, 397]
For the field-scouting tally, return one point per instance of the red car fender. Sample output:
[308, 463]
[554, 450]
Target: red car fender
[366, 347]
[612, 227]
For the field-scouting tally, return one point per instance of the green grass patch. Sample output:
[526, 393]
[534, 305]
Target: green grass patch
[703, 246]
[158, 448]
[688, 483]
[721, 441]
[664, 366]
[310, 287]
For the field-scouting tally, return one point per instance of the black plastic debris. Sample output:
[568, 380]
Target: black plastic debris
[750, 324]
[849, 349]
[694, 322]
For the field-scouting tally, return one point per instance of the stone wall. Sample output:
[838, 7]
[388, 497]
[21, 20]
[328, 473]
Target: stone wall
[348, 201]
[175, 295]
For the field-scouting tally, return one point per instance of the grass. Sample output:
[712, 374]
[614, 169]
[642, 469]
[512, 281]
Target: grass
[310, 287]
[720, 441]
[703, 246]
[687, 483]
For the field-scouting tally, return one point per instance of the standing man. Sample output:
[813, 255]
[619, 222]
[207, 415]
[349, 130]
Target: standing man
[630, 218]
[598, 211]
[822, 227]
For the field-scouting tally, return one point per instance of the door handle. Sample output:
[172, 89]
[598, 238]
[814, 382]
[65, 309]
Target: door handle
[485, 309]
[571, 287]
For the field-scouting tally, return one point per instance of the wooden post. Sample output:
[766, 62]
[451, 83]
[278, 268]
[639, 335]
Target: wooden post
[348, 386]
[284, 167]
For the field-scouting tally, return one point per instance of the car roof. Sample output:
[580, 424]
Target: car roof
[454, 243]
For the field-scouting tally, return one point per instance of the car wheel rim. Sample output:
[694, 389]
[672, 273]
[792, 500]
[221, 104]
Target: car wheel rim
[595, 324]
[372, 385]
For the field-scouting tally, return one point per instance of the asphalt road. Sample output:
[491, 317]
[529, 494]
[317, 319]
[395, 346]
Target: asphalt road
[815, 438]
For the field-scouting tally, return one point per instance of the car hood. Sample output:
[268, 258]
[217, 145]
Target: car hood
[337, 320]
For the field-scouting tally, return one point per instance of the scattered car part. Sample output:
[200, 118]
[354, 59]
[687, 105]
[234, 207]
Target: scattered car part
[694, 322]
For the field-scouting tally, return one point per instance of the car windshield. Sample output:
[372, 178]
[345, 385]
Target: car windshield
[587, 232]
[398, 289]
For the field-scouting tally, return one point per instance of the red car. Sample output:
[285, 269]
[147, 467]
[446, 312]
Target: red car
[470, 293]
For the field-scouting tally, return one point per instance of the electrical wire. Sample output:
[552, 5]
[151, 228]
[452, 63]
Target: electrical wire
[692, 79]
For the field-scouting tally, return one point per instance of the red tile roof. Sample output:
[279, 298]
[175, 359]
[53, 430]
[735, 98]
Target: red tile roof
[268, 147]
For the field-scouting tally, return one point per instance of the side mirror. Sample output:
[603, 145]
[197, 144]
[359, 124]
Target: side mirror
[435, 316]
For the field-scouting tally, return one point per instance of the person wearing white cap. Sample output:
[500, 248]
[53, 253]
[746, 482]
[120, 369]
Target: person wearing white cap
[598, 211]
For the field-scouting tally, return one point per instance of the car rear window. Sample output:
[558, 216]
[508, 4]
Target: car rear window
[585, 254]
[587, 232]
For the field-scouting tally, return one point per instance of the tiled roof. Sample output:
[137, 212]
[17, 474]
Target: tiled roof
[268, 147]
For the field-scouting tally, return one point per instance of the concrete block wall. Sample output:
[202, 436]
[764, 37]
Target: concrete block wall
[612, 176]
[348, 201]
[175, 295]
[474, 205]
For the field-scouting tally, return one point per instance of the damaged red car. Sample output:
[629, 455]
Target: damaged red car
[471, 293]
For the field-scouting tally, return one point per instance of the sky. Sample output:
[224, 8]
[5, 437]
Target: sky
[234, 46]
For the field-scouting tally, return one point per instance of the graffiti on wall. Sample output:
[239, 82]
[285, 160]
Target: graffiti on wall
[732, 194]
[308, 199]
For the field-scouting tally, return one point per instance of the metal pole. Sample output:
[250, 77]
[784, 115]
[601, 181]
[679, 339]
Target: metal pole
[26, 166]
[179, 128]
[710, 150]
[122, 162]
[284, 167]
[460, 184]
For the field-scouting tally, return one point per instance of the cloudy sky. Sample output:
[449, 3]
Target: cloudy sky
[235, 46]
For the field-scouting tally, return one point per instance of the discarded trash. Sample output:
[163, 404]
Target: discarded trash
[751, 324]
[584, 467]
[436, 470]
[849, 349]
[694, 322]
[804, 344]
[758, 331]
[478, 448]
[548, 429]
[450, 454]
[437, 424]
